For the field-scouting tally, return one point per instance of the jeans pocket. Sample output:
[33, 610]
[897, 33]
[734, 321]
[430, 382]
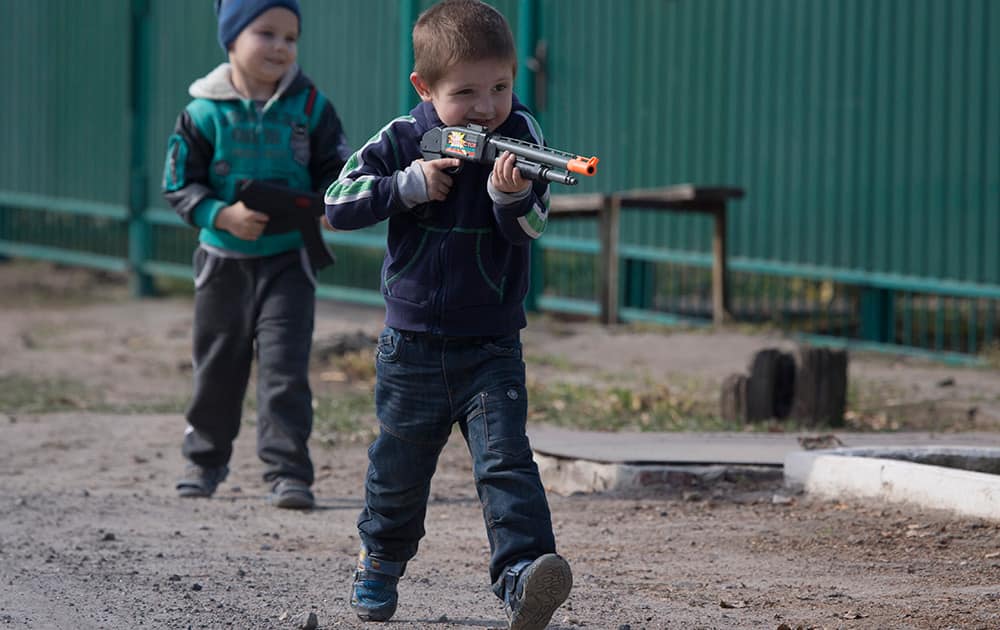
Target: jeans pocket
[307, 267]
[505, 347]
[504, 412]
[204, 264]
[388, 346]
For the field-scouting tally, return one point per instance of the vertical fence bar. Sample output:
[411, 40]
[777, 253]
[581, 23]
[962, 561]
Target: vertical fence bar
[407, 17]
[935, 322]
[991, 318]
[527, 35]
[907, 319]
[972, 334]
[139, 230]
[876, 314]
[923, 318]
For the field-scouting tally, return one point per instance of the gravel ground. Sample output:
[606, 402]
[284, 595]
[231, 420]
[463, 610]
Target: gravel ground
[93, 536]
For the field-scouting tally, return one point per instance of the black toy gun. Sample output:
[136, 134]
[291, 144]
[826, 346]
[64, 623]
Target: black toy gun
[287, 210]
[476, 144]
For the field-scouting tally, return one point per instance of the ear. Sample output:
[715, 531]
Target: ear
[423, 90]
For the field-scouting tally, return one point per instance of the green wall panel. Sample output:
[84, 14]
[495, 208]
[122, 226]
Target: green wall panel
[865, 132]
[65, 91]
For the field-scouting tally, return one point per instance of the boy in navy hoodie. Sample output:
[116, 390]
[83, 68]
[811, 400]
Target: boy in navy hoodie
[454, 279]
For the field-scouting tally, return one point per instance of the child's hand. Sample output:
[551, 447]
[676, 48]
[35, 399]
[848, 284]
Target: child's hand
[438, 182]
[506, 177]
[241, 222]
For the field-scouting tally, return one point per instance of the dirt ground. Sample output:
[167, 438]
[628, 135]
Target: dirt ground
[93, 536]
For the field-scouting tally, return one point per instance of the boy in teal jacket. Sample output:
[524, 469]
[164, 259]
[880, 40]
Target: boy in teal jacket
[257, 117]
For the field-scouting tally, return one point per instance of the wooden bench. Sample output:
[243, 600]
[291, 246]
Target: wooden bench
[681, 198]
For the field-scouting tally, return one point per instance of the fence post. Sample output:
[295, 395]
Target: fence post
[877, 315]
[139, 232]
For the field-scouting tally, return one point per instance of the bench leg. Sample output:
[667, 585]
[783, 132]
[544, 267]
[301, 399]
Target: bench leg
[609, 225]
[720, 273]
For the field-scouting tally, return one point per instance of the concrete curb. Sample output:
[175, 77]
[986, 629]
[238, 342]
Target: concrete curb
[570, 476]
[864, 474]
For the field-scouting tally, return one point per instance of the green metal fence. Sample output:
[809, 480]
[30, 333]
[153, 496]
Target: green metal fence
[865, 133]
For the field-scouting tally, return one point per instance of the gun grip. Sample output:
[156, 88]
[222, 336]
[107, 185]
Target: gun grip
[430, 144]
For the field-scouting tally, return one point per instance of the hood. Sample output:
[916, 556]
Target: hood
[217, 85]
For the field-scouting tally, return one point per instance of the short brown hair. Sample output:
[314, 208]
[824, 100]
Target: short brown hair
[454, 31]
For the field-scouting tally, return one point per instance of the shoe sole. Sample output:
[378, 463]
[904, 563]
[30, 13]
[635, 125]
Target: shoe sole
[293, 502]
[546, 587]
[201, 486]
[382, 615]
[189, 492]
[194, 490]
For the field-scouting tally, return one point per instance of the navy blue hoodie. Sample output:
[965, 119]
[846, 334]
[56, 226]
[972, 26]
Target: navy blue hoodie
[458, 267]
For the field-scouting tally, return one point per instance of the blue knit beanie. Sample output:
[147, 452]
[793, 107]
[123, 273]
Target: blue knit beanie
[234, 15]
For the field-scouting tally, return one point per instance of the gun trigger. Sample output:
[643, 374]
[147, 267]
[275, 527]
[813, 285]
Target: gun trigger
[454, 170]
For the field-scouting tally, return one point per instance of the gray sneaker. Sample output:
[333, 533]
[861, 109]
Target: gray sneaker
[533, 591]
[199, 481]
[292, 494]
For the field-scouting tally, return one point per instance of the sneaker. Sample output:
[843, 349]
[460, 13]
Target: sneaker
[199, 481]
[373, 594]
[292, 494]
[533, 591]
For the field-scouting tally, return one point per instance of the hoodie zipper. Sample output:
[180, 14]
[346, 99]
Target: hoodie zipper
[442, 289]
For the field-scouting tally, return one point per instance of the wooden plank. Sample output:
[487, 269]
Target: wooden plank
[564, 206]
[663, 197]
[820, 387]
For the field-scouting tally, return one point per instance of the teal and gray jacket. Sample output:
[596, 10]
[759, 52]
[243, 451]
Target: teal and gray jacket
[458, 267]
[221, 139]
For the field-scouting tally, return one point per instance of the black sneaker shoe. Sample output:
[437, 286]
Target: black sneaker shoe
[199, 481]
[292, 494]
[533, 592]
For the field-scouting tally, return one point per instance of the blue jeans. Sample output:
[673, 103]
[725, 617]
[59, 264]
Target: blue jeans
[425, 384]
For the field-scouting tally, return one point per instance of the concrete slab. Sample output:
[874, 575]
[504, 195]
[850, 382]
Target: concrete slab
[749, 449]
[580, 476]
[593, 461]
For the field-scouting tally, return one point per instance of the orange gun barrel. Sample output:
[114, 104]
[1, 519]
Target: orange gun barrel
[582, 165]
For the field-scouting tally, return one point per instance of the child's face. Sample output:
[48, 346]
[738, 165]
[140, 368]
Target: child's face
[264, 51]
[471, 92]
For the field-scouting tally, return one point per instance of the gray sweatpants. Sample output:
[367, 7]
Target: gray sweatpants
[243, 307]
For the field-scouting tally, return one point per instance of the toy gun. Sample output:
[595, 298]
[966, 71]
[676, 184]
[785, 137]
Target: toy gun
[475, 144]
[287, 210]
